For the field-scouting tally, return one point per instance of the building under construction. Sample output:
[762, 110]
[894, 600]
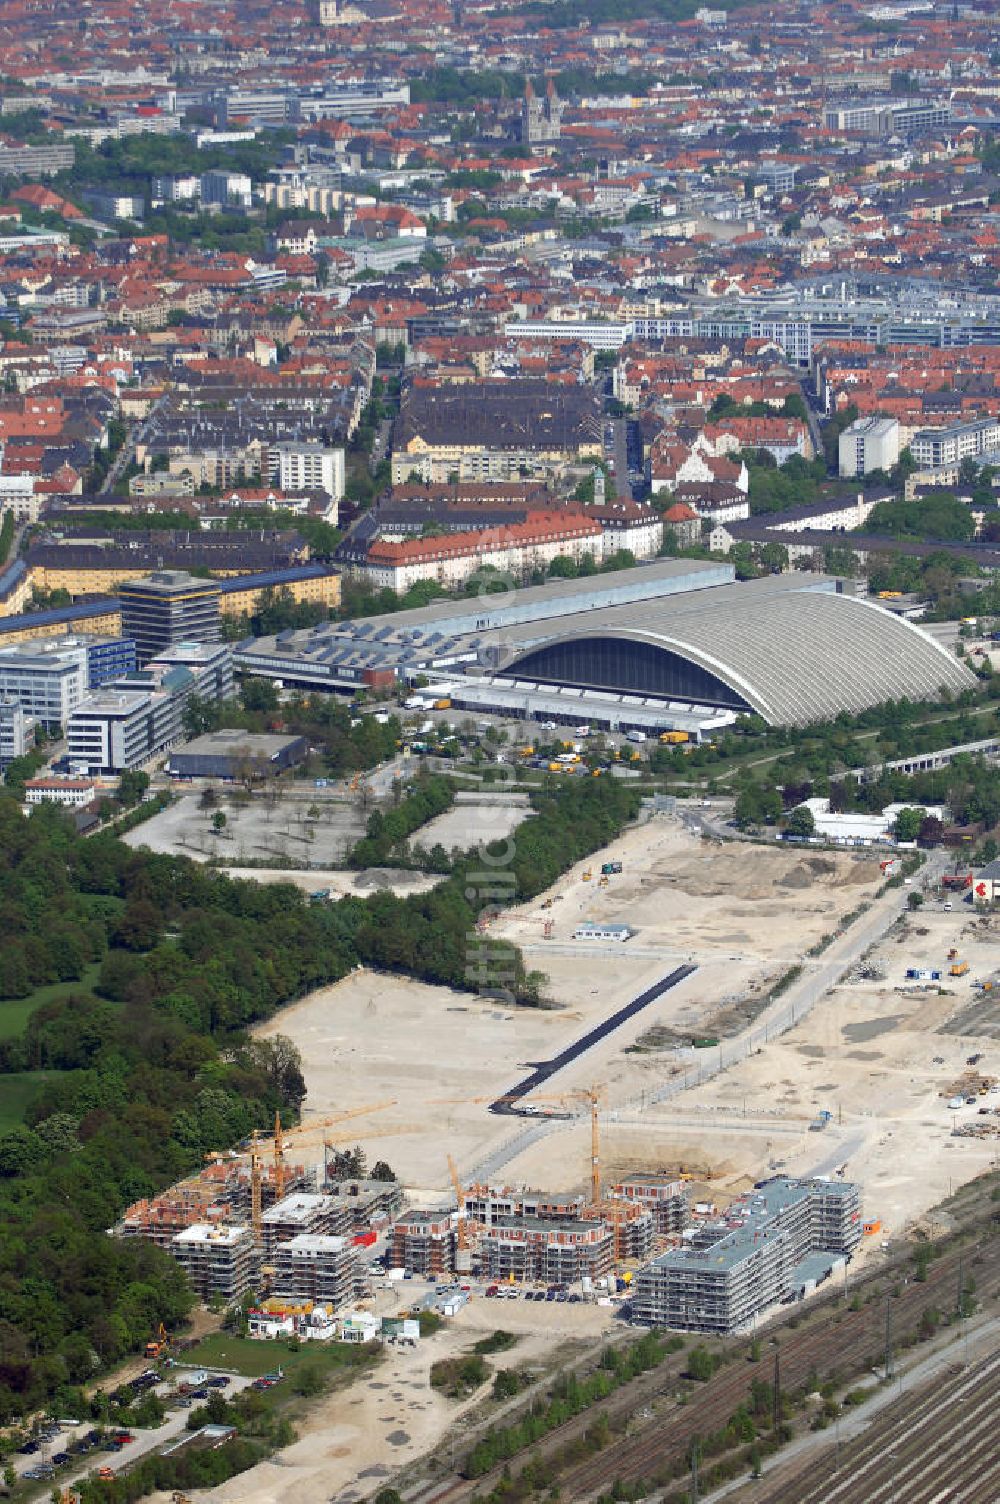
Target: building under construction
[665, 1197]
[221, 1193]
[775, 1244]
[302, 1212]
[629, 1224]
[219, 1260]
[364, 1204]
[317, 1268]
[556, 1252]
[425, 1242]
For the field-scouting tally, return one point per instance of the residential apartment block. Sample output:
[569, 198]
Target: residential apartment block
[537, 1248]
[934, 447]
[424, 1242]
[316, 1267]
[772, 1245]
[869, 444]
[218, 1260]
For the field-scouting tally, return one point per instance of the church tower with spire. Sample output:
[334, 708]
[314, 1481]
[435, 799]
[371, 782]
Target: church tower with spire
[541, 119]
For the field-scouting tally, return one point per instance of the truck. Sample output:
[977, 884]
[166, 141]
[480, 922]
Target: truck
[674, 738]
[922, 974]
[635, 736]
[821, 1121]
[958, 969]
[609, 869]
[443, 704]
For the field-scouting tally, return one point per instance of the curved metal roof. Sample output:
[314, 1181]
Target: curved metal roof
[796, 654]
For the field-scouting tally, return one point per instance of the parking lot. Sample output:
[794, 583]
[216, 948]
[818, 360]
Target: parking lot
[68, 1450]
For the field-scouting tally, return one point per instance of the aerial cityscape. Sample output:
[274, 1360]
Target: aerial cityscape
[499, 751]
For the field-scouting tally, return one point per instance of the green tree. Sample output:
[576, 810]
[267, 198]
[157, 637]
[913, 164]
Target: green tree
[801, 822]
[906, 826]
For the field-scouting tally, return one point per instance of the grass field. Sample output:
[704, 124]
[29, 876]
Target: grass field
[252, 1359]
[15, 1011]
[16, 1092]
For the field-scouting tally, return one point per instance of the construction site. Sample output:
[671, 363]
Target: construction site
[260, 1220]
[703, 1122]
[694, 1076]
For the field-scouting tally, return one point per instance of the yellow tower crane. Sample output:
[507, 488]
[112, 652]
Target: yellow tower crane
[256, 1210]
[285, 1136]
[594, 1095]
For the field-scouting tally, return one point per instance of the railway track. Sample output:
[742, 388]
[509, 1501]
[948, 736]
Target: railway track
[934, 1446]
[838, 1344]
[833, 1350]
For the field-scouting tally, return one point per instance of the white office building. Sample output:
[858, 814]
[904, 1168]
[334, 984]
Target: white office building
[869, 444]
[308, 467]
[599, 335]
[210, 665]
[48, 680]
[16, 731]
[122, 728]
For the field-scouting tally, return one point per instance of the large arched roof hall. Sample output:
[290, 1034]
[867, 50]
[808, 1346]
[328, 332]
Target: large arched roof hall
[794, 653]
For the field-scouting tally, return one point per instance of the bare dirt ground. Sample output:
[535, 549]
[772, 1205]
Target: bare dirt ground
[444, 1056]
[355, 1440]
[466, 825]
[880, 1056]
[342, 883]
[275, 825]
[877, 1055]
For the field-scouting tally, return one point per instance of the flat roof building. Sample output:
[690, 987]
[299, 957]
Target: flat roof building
[16, 731]
[218, 1260]
[424, 1242]
[117, 729]
[48, 679]
[232, 754]
[169, 607]
[318, 1268]
[210, 665]
[869, 444]
[558, 1252]
[772, 1245]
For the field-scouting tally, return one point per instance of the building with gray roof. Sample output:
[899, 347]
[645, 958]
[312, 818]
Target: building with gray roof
[773, 1245]
[675, 643]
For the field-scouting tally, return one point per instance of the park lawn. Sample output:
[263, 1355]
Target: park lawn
[252, 1359]
[16, 1091]
[15, 1011]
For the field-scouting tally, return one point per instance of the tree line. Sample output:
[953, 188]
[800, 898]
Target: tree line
[139, 1072]
[428, 796]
